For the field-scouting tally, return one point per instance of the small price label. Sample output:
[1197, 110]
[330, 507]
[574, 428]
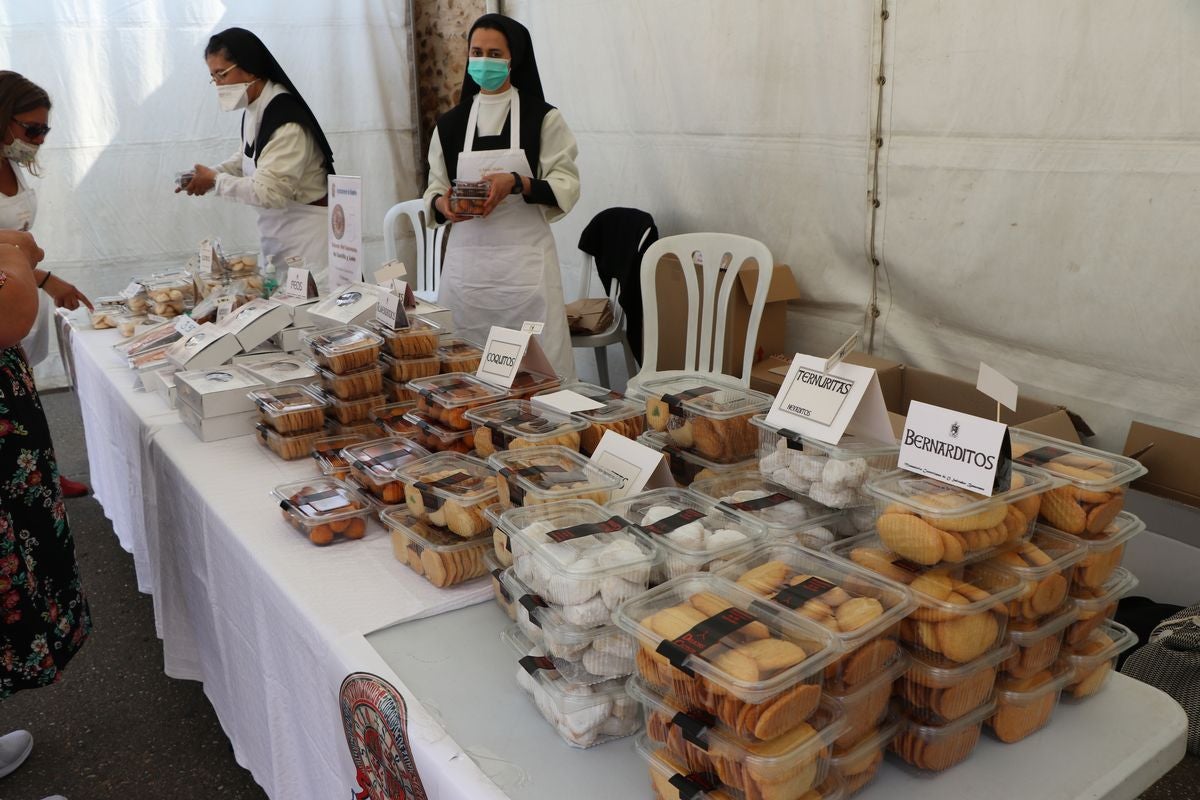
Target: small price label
[186, 325]
[131, 290]
[224, 308]
[532, 327]
[206, 254]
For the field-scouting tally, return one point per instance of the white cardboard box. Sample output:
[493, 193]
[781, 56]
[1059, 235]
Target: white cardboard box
[298, 309]
[291, 340]
[208, 347]
[284, 371]
[217, 392]
[353, 304]
[256, 321]
[216, 428]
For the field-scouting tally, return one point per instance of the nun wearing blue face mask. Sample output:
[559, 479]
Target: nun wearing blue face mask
[501, 268]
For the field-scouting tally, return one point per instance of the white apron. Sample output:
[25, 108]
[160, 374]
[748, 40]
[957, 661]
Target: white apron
[17, 213]
[503, 269]
[294, 230]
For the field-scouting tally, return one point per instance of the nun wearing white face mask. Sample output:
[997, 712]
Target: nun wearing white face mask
[283, 161]
[502, 268]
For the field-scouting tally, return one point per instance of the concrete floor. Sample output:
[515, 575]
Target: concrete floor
[116, 727]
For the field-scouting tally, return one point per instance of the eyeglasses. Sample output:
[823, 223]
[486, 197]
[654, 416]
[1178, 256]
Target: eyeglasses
[32, 129]
[221, 73]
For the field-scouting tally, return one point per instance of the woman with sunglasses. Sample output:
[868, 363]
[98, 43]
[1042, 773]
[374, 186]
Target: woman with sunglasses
[284, 159]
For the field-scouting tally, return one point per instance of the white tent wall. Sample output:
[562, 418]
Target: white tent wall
[133, 105]
[1038, 179]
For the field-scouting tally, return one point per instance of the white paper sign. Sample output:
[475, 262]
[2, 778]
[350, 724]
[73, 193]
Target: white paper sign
[955, 448]
[205, 251]
[390, 311]
[186, 325]
[506, 353]
[566, 401]
[297, 283]
[532, 327]
[224, 307]
[345, 230]
[639, 467]
[132, 290]
[391, 271]
[827, 405]
[996, 386]
[846, 349]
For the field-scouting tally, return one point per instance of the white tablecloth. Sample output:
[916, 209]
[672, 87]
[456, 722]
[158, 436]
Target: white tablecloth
[268, 622]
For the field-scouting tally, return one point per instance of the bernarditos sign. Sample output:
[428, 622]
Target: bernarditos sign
[960, 449]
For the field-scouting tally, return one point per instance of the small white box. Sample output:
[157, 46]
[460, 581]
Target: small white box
[353, 304]
[298, 309]
[207, 347]
[291, 340]
[217, 392]
[284, 371]
[216, 428]
[256, 321]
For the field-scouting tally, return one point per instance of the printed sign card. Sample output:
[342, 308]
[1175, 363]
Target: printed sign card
[828, 405]
[507, 352]
[960, 449]
[639, 467]
[345, 230]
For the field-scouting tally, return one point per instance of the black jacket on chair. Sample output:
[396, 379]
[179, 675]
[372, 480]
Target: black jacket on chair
[612, 238]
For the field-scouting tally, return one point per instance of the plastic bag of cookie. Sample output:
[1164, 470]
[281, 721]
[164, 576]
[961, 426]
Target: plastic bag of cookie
[858, 764]
[437, 438]
[373, 466]
[288, 446]
[939, 747]
[1025, 705]
[341, 350]
[390, 419]
[518, 424]
[327, 451]
[458, 355]
[446, 399]
[929, 522]
[403, 370]
[712, 645]
[937, 691]
[865, 706]
[450, 490]
[787, 514]
[1038, 644]
[1095, 481]
[1045, 564]
[323, 509]
[859, 607]
[500, 593]
[1094, 605]
[1106, 551]
[418, 340]
[355, 412]
[539, 475]
[705, 414]
[354, 384]
[694, 531]
[437, 555]
[687, 467]
[1094, 659]
[616, 413]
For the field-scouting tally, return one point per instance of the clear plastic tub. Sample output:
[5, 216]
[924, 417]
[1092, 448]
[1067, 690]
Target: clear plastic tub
[1096, 658]
[938, 747]
[694, 532]
[861, 609]
[1038, 644]
[418, 340]
[353, 385]
[1024, 705]
[787, 515]
[1106, 551]
[706, 416]
[446, 399]
[1096, 481]
[391, 421]
[437, 438]
[373, 466]
[708, 643]
[355, 412]
[583, 716]
[526, 384]
[941, 691]
[366, 429]
[518, 424]
[687, 467]
[858, 765]
[1095, 605]
[619, 415]
[170, 295]
[501, 545]
[832, 475]
[539, 475]
[403, 370]
[961, 611]
[1045, 565]
[468, 198]
[398, 392]
[578, 556]
[784, 768]
[930, 522]
[323, 509]
[451, 491]
[327, 450]
[434, 553]
[341, 350]
[459, 355]
[289, 447]
[504, 599]
[867, 704]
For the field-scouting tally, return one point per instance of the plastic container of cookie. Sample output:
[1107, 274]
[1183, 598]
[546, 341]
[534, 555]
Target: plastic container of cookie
[398, 392]
[858, 764]
[450, 490]
[366, 429]
[437, 438]
[1025, 705]
[582, 715]
[403, 370]
[617, 414]
[538, 475]
[501, 545]
[576, 552]
[1106, 551]
[705, 415]
[860, 608]
[687, 467]
[1095, 605]
[390, 419]
[434, 553]
[355, 412]
[527, 383]
[341, 350]
[373, 465]
[327, 451]
[290, 409]
[289, 447]
[323, 509]
[447, 398]
[1096, 658]
[930, 522]
[504, 599]
[418, 340]
[939, 691]
[935, 748]
[833, 475]
[865, 706]
[785, 767]
[459, 355]
[517, 424]
[786, 514]
[1038, 644]
[694, 531]
[710, 644]
[1045, 564]
[354, 384]
[1095, 481]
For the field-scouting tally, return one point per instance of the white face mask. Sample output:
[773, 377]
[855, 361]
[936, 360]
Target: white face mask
[20, 151]
[233, 96]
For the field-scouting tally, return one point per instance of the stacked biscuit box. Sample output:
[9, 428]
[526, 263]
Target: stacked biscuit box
[731, 689]
[616, 414]
[372, 465]
[347, 360]
[409, 353]
[572, 563]
[442, 403]
[291, 419]
[215, 403]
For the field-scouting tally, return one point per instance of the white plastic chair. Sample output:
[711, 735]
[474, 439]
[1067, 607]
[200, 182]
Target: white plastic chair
[429, 245]
[707, 316]
[615, 332]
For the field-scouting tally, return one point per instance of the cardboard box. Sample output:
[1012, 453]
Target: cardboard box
[772, 330]
[942, 390]
[1172, 462]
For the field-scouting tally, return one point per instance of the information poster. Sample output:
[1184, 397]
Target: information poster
[345, 231]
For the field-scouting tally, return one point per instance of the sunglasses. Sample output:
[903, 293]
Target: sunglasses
[33, 129]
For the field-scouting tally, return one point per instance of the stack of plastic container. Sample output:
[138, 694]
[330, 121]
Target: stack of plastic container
[409, 353]
[291, 420]
[347, 360]
[458, 355]
[442, 405]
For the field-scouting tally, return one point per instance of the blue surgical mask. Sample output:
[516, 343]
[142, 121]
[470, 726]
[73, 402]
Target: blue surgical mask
[489, 73]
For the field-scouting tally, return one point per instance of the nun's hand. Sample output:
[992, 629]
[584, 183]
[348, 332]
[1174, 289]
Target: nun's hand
[65, 295]
[203, 181]
[442, 205]
[500, 186]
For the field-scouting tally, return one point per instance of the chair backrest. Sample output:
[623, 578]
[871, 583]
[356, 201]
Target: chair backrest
[707, 316]
[589, 271]
[429, 242]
